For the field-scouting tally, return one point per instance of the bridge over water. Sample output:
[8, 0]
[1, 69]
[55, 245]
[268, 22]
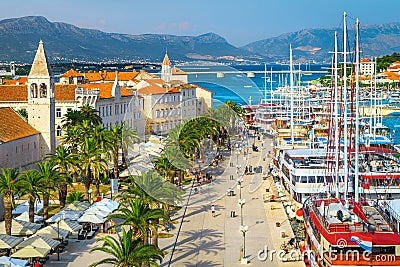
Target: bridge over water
[221, 73]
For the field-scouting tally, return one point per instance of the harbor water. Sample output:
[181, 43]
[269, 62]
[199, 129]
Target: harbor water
[245, 89]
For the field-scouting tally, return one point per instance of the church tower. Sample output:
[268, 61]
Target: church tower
[166, 71]
[41, 103]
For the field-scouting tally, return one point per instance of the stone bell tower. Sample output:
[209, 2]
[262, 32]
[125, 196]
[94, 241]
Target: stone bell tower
[41, 100]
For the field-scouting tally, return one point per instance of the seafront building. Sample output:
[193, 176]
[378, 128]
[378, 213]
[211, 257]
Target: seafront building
[139, 100]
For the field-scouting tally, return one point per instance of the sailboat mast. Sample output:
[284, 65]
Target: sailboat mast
[356, 163]
[346, 169]
[375, 105]
[291, 98]
[336, 111]
[265, 82]
[271, 95]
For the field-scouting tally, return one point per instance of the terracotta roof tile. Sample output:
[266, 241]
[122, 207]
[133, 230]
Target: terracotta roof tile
[72, 73]
[65, 92]
[20, 81]
[177, 71]
[13, 126]
[105, 89]
[13, 93]
[364, 60]
[110, 76]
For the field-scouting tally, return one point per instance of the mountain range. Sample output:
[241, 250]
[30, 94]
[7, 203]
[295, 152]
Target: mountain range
[65, 42]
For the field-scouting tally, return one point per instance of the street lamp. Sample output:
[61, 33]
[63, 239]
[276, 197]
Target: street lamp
[90, 195]
[241, 202]
[244, 229]
[239, 185]
[58, 237]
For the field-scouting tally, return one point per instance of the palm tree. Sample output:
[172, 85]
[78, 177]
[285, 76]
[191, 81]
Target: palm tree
[52, 181]
[32, 186]
[163, 166]
[72, 118]
[114, 139]
[129, 137]
[140, 217]
[126, 251]
[66, 164]
[90, 114]
[92, 163]
[9, 185]
[75, 196]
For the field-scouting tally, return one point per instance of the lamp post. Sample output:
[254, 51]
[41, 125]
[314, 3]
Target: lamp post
[239, 185]
[58, 238]
[244, 229]
[241, 202]
[90, 195]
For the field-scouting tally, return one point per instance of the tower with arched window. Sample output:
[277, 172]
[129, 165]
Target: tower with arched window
[41, 103]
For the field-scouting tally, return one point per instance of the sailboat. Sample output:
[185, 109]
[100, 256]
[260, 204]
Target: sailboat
[343, 229]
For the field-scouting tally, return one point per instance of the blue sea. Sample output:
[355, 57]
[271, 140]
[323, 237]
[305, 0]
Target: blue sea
[243, 90]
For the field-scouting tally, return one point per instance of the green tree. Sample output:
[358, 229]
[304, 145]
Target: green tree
[9, 185]
[140, 217]
[126, 251]
[52, 181]
[66, 164]
[129, 138]
[75, 196]
[32, 187]
[114, 139]
[92, 163]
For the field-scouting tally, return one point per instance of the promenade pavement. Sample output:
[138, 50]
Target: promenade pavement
[207, 241]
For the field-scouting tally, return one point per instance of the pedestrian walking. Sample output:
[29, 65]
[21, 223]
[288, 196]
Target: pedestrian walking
[213, 210]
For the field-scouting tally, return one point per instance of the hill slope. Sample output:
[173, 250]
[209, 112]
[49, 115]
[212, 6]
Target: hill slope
[376, 40]
[19, 38]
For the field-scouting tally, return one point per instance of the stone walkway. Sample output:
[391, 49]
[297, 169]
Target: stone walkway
[207, 241]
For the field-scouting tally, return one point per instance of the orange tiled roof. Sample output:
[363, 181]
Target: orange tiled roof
[13, 126]
[156, 87]
[72, 73]
[13, 93]
[105, 89]
[110, 76]
[177, 71]
[365, 60]
[391, 75]
[20, 81]
[65, 92]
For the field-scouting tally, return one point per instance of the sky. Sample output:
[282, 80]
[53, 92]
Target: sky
[238, 21]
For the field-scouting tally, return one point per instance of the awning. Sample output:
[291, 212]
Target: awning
[31, 252]
[39, 242]
[66, 213]
[78, 205]
[52, 232]
[8, 241]
[91, 218]
[20, 228]
[24, 207]
[69, 225]
[10, 262]
[25, 217]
